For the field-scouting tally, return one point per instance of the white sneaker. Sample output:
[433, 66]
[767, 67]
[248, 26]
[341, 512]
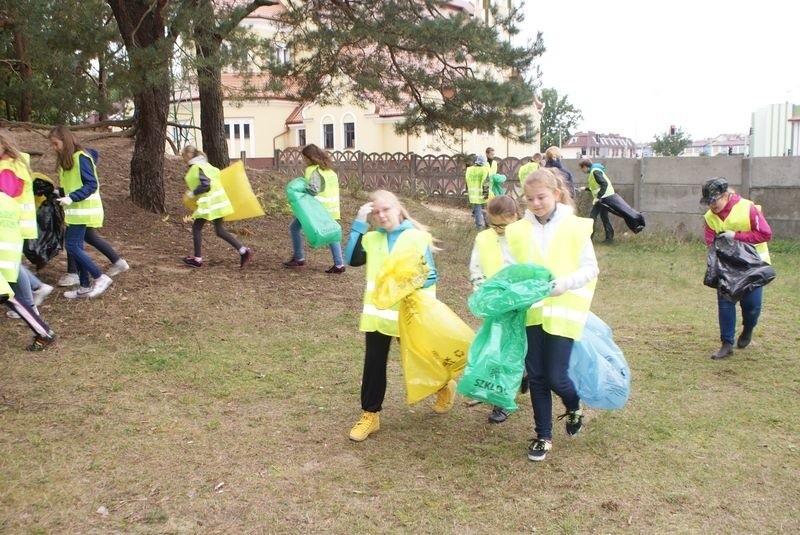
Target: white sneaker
[120, 266]
[76, 294]
[100, 285]
[69, 279]
[41, 293]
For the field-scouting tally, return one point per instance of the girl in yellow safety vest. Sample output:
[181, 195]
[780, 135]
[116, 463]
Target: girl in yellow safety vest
[395, 233]
[551, 235]
[490, 254]
[737, 219]
[323, 183]
[213, 204]
[83, 208]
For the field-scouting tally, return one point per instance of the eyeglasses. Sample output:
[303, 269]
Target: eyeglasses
[498, 226]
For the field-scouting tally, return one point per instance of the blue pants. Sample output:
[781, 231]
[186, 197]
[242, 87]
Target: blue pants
[547, 362]
[296, 232]
[93, 238]
[751, 310]
[26, 283]
[73, 241]
[479, 213]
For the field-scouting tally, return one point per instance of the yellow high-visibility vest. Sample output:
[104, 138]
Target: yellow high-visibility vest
[376, 245]
[738, 220]
[564, 315]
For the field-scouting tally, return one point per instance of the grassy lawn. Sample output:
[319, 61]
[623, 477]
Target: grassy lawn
[219, 401]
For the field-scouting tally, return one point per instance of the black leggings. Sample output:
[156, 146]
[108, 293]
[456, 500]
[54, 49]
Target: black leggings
[197, 235]
[373, 380]
[94, 239]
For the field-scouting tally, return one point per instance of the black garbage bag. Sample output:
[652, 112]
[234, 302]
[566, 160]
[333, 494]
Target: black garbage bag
[735, 268]
[50, 220]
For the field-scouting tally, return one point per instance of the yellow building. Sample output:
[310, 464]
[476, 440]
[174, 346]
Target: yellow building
[258, 127]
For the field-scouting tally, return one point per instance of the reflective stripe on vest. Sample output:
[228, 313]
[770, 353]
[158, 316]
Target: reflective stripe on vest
[594, 187]
[738, 220]
[89, 211]
[26, 200]
[329, 196]
[10, 238]
[490, 254]
[377, 247]
[214, 203]
[566, 314]
[475, 177]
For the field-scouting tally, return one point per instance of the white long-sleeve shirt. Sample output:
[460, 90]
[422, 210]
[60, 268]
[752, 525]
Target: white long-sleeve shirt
[543, 237]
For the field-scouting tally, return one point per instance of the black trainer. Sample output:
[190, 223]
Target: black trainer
[498, 415]
[537, 450]
[574, 422]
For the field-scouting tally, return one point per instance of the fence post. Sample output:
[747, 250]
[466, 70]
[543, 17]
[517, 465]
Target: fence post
[413, 163]
[637, 185]
[276, 160]
[243, 157]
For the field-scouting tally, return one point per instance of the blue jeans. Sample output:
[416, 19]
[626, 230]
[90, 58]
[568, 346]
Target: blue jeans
[73, 241]
[479, 213]
[751, 310]
[296, 232]
[547, 362]
[93, 238]
[26, 281]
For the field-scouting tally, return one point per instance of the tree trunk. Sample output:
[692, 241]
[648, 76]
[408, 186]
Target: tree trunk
[142, 27]
[25, 74]
[212, 117]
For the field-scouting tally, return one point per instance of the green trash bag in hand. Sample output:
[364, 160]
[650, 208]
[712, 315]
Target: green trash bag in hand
[319, 227]
[512, 288]
[496, 358]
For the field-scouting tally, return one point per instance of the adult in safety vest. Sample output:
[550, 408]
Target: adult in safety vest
[204, 186]
[605, 200]
[323, 183]
[737, 219]
[476, 178]
[530, 167]
[82, 208]
[550, 235]
[395, 232]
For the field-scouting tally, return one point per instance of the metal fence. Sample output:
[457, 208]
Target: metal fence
[437, 177]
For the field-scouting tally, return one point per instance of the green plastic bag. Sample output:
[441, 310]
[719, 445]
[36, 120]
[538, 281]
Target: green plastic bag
[514, 287]
[319, 227]
[496, 180]
[496, 357]
[496, 361]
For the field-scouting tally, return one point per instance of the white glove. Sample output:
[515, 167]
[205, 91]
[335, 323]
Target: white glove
[65, 201]
[729, 234]
[558, 287]
[364, 212]
[595, 200]
[189, 194]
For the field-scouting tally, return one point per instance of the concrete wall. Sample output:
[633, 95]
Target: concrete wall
[667, 190]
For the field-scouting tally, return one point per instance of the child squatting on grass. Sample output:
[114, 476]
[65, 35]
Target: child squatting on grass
[395, 233]
[551, 235]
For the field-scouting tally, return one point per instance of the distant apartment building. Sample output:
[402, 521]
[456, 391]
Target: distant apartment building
[775, 131]
[593, 145]
[723, 144]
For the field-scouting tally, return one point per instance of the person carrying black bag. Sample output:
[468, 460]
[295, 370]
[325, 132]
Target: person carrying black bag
[735, 218]
[604, 200]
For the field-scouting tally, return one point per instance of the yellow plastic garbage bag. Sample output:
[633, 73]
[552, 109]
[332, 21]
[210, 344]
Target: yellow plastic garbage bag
[189, 202]
[434, 343]
[400, 275]
[237, 188]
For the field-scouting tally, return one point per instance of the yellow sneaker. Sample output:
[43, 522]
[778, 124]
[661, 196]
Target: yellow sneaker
[369, 423]
[445, 398]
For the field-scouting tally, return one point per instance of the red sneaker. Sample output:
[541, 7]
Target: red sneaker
[192, 261]
[245, 258]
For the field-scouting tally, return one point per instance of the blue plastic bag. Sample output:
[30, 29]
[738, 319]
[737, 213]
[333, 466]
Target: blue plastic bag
[317, 224]
[598, 368]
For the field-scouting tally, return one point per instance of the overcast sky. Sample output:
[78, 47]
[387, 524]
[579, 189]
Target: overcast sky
[635, 67]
